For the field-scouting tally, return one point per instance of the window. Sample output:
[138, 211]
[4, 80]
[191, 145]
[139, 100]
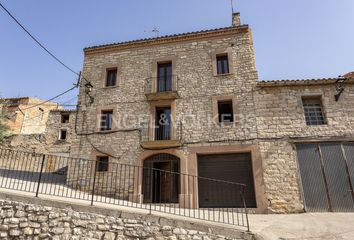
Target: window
[313, 111]
[41, 113]
[12, 117]
[163, 123]
[164, 77]
[225, 111]
[65, 118]
[222, 64]
[111, 77]
[62, 134]
[102, 164]
[106, 120]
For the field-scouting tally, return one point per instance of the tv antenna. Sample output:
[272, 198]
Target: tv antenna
[232, 6]
[155, 30]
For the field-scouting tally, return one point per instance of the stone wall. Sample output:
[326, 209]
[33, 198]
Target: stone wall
[35, 118]
[29, 221]
[53, 126]
[196, 87]
[48, 142]
[28, 142]
[25, 117]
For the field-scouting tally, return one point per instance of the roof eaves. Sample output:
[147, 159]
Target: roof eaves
[297, 82]
[167, 37]
[63, 110]
[18, 98]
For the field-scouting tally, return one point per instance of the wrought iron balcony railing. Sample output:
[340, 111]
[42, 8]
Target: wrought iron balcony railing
[161, 135]
[162, 87]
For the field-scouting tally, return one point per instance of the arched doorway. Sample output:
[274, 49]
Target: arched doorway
[161, 180]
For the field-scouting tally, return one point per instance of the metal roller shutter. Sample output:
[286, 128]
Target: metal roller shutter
[228, 167]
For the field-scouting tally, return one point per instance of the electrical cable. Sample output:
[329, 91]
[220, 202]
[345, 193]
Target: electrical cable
[47, 111]
[34, 39]
[39, 43]
[44, 102]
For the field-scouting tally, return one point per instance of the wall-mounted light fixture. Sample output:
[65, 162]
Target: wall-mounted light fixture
[339, 87]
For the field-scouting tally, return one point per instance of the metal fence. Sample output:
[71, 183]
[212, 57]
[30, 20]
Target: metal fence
[149, 187]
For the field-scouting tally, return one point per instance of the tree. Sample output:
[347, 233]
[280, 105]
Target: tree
[3, 126]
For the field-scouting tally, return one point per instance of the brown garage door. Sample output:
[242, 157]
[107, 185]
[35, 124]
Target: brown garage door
[227, 167]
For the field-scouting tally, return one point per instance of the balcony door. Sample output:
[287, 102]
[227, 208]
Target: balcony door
[164, 77]
[163, 123]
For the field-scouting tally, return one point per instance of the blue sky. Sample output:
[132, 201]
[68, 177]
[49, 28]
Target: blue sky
[293, 39]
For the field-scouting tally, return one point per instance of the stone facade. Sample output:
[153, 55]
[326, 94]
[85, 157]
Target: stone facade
[269, 116]
[28, 221]
[47, 142]
[55, 124]
[24, 116]
[193, 59]
[281, 124]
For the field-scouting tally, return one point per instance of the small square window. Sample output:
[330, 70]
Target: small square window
[106, 120]
[313, 111]
[102, 164]
[222, 64]
[111, 77]
[65, 118]
[225, 111]
[62, 134]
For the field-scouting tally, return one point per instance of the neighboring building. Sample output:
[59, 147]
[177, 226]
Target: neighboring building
[26, 115]
[192, 103]
[307, 143]
[59, 132]
[53, 138]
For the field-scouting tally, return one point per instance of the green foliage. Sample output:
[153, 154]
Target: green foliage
[4, 129]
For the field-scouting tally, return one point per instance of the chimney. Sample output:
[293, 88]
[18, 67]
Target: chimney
[236, 21]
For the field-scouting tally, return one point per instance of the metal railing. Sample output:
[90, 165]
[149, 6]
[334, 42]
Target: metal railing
[168, 83]
[158, 186]
[169, 131]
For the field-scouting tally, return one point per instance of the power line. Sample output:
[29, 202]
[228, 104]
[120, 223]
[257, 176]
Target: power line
[40, 44]
[44, 102]
[41, 103]
[9, 104]
[49, 111]
[50, 53]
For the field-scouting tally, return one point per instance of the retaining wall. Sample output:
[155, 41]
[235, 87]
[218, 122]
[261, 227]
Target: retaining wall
[21, 220]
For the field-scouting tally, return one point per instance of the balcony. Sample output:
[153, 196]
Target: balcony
[161, 136]
[161, 88]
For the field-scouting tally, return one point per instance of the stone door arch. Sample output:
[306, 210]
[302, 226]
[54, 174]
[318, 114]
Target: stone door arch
[161, 179]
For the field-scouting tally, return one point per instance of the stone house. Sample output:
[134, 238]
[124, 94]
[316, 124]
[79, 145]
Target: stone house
[60, 131]
[54, 140]
[306, 133]
[192, 104]
[26, 115]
